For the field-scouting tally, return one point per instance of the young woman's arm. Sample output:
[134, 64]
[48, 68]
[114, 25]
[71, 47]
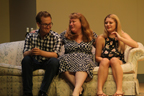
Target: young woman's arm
[126, 39]
[100, 42]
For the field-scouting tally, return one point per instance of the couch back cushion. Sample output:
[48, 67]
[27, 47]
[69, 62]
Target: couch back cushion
[11, 53]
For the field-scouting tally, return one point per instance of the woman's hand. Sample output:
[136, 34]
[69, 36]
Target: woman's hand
[125, 38]
[117, 35]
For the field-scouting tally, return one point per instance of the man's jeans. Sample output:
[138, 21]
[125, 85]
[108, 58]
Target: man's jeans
[29, 64]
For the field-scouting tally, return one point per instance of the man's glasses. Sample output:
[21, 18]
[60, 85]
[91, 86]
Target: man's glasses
[46, 25]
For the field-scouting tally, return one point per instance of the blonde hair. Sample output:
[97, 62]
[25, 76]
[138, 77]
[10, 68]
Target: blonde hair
[86, 31]
[118, 29]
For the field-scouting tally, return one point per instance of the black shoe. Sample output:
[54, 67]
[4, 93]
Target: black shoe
[41, 93]
[81, 93]
[27, 94]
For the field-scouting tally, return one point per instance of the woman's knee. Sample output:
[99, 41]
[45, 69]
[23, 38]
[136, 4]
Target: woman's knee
[65, 73]
[69, 73]
[114, 61]
[104, 62]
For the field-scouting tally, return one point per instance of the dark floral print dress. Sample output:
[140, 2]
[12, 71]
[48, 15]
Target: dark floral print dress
[111, 50]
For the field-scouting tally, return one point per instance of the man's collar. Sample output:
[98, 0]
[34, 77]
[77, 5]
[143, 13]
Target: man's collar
[46, 36]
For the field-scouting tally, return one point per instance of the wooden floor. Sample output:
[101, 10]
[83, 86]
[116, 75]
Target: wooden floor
[141, 89]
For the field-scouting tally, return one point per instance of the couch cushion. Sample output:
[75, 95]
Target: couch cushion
[11, 53]
[126, 77]
[13, 70]
[127, 68]
[12, 86]
[63, 87]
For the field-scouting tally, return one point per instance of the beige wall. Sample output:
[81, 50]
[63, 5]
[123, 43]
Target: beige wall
[130, 13]
[4, 21]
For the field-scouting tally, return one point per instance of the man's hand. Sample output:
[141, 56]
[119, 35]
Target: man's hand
[36, 51]
[33, 31]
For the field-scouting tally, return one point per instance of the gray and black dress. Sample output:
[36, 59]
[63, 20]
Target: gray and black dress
[77, 56]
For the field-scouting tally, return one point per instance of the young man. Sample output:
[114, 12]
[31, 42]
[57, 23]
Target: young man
[40, 52]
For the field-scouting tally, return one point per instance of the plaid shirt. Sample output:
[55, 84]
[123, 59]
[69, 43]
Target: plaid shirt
[50, 43]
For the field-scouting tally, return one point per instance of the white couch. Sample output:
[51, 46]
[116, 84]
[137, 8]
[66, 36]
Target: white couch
[11, 80]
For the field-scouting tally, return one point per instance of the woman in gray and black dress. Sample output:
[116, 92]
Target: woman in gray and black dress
[77, 62]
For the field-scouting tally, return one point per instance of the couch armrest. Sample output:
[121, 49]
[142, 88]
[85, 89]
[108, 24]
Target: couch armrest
[136, 54]
[133, 55]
